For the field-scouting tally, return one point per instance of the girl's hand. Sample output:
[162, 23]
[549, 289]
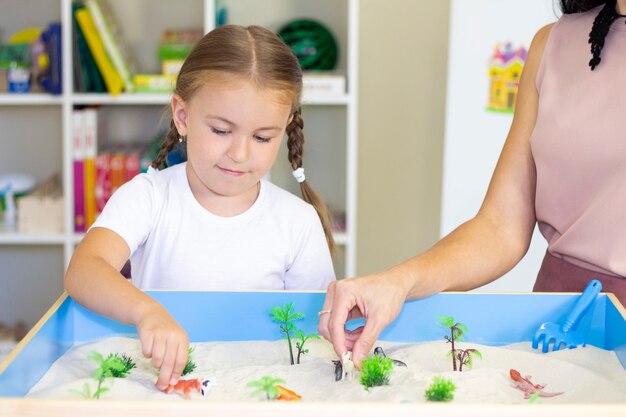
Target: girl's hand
[163, 340]
[375, 297]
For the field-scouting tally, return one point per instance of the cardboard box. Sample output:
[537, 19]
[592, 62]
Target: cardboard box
[41, 212]
[494, 319]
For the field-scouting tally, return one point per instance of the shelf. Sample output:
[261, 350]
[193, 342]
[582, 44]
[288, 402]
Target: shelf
[14, 238]
[134, 99]
[325, 99]
[121, 99]
[341, 238]
[29, 99]
[47, 145]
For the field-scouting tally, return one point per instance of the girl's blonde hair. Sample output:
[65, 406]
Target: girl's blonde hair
[256, 54]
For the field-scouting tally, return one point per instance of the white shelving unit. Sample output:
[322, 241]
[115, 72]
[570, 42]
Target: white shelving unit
[36, 128]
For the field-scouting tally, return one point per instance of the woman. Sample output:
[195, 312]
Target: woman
[563, 167]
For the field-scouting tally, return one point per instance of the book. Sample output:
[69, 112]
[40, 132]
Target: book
[79, 172]
[52, 40]
[118, 176]
[90, 132]
[102, 192]
[110, 75]
[132, 164]
[90, 79]
[323, 82]
[113, 40]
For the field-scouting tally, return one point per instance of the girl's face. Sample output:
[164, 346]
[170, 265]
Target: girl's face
[234, 131]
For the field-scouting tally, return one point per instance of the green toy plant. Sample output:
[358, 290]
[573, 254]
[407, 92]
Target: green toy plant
[190, 366]
[128, 362]
[441, 389]
[285, 316]
[106, 369]
[375, 371]
[302, 340]
[265, 386]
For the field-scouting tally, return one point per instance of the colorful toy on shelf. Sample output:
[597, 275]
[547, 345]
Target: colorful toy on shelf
[13, 186]
[565, 334]
[524, 384]
[312, 43]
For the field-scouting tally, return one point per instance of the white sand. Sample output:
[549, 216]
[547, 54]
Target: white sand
[584, 375]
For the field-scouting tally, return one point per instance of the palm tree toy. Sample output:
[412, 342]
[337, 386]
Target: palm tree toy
[285, 316]
[266, 385]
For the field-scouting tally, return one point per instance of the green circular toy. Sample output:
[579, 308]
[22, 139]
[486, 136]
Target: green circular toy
[312, 43]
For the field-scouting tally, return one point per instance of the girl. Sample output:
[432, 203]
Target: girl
[210, 223]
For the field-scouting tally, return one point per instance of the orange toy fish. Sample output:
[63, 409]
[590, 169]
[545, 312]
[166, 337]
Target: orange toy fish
[287, 395]
[525, 385]
[185, 386]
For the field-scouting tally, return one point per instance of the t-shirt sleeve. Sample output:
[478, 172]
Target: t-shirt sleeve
[129, 211]
[312, 267]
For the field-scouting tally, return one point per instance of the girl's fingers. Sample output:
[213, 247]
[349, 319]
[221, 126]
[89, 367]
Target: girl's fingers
[167, 365]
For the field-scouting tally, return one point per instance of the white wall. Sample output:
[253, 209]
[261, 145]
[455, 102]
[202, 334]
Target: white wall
[474, 136]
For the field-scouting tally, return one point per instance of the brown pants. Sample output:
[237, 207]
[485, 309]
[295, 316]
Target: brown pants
[557, 275]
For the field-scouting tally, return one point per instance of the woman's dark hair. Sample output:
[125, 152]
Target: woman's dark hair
[579, 6]
[259, 55]
[601, 24]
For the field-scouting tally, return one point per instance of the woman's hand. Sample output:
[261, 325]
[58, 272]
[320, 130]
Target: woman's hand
[378, 298]
[163, 340]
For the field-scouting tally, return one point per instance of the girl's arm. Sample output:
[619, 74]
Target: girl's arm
[474, 254]
[93, 280]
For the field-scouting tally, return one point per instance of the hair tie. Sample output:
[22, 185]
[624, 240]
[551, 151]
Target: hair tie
[298, 174]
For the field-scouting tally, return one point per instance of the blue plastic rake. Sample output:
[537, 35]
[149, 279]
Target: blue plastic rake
[565, 334]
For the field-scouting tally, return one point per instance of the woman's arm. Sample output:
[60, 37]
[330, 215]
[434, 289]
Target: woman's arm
[474, 254]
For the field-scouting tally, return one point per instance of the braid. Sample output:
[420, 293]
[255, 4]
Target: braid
[600, 29]
[295, 145]
[170, 141]
[295, 139]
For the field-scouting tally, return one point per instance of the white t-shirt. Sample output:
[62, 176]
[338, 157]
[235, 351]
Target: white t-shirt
[175, 243]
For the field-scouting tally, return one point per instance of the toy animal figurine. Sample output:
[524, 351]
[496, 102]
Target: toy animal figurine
[524, 384]
[286, 394]
[380, 352]
[186, 386]
[347, 365]
[338, 370]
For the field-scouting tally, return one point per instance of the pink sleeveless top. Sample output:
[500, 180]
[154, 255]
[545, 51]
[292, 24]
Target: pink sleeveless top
[579, 146]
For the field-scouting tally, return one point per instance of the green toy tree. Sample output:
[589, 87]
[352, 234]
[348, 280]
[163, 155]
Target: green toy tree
[441, 389]
[285, 316]
[464, 356]
[375, 371]
[457, 331]
[113, 364]
[302, 340]
[266, 385]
